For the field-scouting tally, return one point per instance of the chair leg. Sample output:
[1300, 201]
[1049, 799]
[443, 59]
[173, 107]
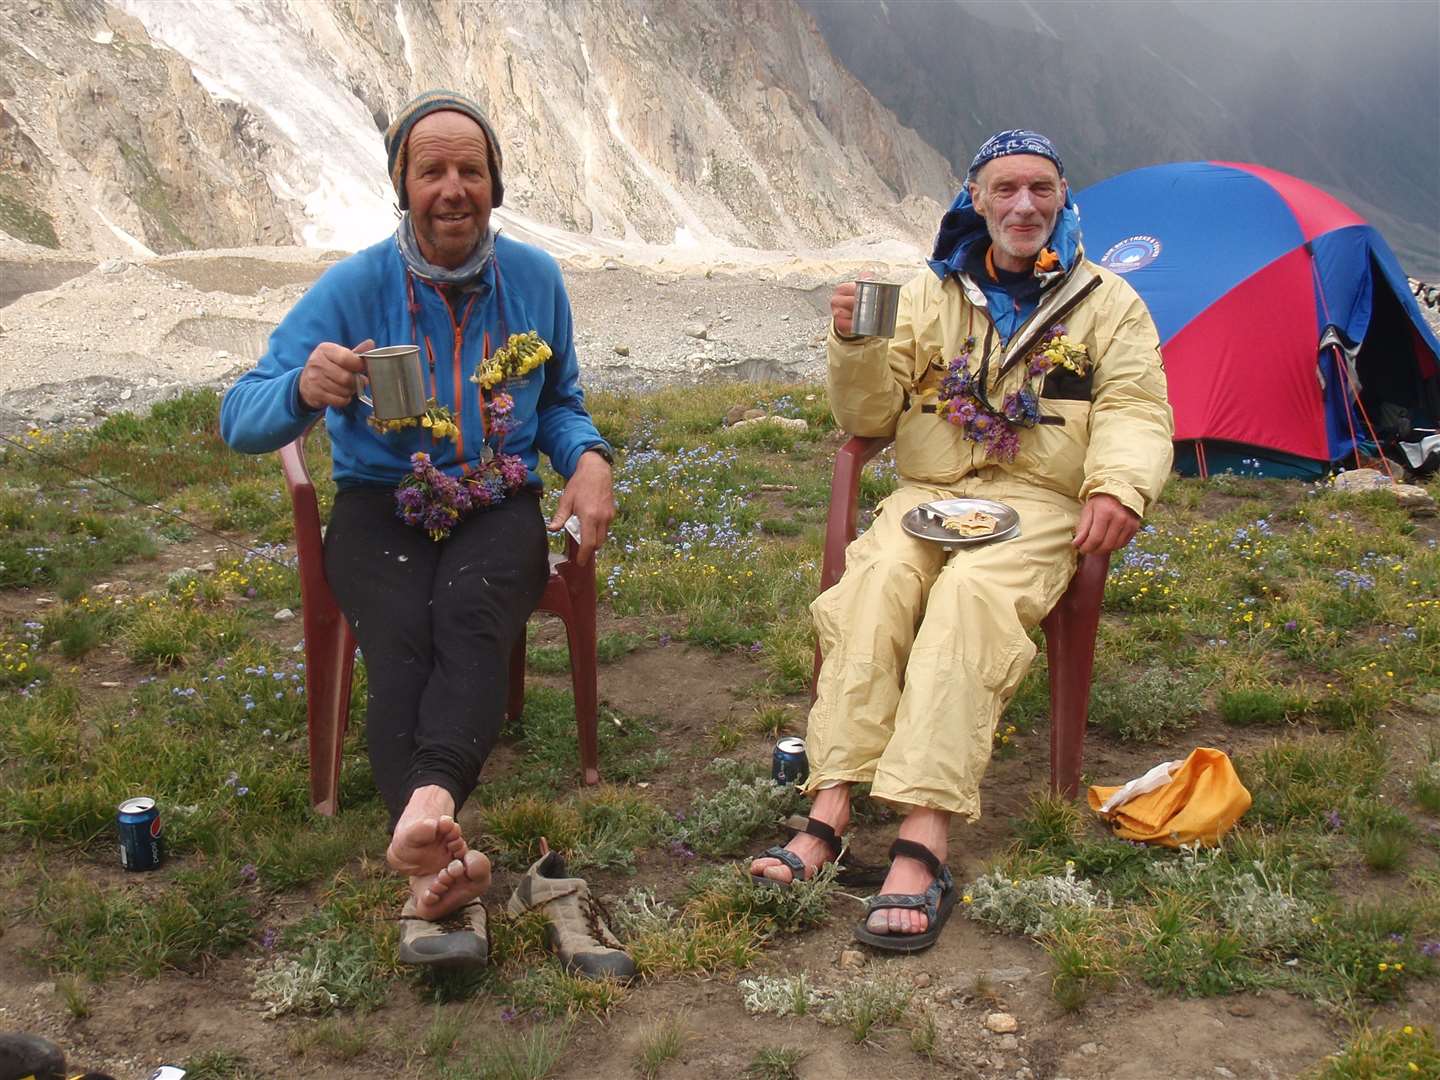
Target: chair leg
[580, 630]
[576, 608]
[515, 702]
[329, 664]
[1070, 644]
[1069, 706]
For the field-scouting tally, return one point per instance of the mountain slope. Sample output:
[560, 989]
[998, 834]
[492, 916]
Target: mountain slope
[641, 121]
[1342, 95]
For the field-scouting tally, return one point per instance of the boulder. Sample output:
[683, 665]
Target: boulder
[1361, 480]
[1414, 498]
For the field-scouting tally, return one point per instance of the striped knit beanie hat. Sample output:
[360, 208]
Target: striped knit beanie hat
[431, 101]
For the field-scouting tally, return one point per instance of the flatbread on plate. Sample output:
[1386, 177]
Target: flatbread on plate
[973, 523]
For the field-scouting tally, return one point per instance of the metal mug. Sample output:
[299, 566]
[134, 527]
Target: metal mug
[876, 305]
[397, 385]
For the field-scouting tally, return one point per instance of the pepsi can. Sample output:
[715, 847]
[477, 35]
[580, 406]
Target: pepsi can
[788, 765]
[140, 844]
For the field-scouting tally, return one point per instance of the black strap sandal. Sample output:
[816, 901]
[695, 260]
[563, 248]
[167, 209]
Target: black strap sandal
[937, 902]
[852, 874]
[818, 829]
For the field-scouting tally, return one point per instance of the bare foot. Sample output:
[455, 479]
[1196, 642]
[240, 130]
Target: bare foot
[832, 806]
[424, 845]
[438, 894]
[927, 827]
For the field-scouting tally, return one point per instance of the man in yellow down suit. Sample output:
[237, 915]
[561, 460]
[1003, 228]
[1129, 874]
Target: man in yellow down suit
[1021, 372]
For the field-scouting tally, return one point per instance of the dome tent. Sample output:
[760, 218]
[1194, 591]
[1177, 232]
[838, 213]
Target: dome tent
[1288, 328]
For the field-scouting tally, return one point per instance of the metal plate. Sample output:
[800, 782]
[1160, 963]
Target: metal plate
[923, 522]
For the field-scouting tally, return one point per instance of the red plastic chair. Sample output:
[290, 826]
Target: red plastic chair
[330, 647]
[1069, 628]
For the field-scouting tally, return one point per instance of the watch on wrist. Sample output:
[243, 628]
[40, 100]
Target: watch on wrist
[603, 451]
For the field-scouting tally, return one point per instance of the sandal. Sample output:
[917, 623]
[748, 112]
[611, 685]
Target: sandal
[937, 902]
[458, 940]
[818, 829]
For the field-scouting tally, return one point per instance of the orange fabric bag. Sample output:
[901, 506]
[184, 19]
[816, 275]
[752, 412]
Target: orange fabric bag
[1202, 798]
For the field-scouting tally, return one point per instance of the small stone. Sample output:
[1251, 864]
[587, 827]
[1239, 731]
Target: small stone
[127, 393]
[611, 264]
[110, 684]
[622, 350]
[1008, 1042]
[1240, 1008]
[921, 981]
[785, 317]
[1221, 1070]
[1089, 1049]
[138, 313]
[1010, 975]
[205, 568]
[697, 330]
[284, 615]
[754, 414]
[852, 959]
[1001, 1023]
[113, 266]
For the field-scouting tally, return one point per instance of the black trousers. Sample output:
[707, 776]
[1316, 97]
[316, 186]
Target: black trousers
[436, 622]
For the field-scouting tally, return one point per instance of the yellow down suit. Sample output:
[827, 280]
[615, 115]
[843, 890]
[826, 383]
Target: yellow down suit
[923, 650]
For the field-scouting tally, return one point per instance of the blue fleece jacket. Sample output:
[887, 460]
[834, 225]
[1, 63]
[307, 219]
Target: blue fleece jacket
[366, 296]
[960, 248]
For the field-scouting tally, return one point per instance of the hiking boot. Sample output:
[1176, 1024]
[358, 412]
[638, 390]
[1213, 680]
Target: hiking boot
[575, 927]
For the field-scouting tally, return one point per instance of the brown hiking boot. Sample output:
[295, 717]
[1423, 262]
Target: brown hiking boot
[575, 927]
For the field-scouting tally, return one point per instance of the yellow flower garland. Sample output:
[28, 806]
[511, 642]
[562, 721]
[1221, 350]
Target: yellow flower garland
[522, 354]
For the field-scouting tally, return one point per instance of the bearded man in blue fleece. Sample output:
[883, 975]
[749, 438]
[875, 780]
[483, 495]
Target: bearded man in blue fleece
[436, 619]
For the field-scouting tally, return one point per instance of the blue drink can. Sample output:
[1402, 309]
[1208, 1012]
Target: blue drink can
[788, 765]
[140, 845]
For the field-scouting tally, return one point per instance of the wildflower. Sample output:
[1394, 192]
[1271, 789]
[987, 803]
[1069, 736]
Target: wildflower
[1408, 1030]
[967, 899]
[267, 939]
[248, 873]
[508, 1014]
[1332, 818]
[1383, 966]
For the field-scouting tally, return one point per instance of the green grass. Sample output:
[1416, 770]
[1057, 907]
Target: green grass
[661, 1042]
[1298, 623]
[775, 1063]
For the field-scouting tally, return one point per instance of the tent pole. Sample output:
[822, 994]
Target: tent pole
[1344, 379]
[1343, 371]
[1200, 461]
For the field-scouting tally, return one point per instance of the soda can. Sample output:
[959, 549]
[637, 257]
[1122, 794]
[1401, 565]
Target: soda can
[788, 765]
[140, 845]
[168, 1072]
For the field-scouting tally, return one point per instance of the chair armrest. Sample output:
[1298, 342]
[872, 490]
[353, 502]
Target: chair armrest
[850, 462]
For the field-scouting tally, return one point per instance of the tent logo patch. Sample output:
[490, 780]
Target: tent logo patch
[1132, 253]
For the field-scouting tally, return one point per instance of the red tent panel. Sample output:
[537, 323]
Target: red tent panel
[1244, 369]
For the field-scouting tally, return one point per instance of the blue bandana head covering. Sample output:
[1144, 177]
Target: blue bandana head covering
[410, 113]
[1014, 141]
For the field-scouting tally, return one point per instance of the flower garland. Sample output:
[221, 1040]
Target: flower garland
[522, 354]
[435, 501]
[997, 430]
[437, 418]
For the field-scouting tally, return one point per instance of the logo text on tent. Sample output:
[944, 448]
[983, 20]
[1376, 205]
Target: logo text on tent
[1132, 253]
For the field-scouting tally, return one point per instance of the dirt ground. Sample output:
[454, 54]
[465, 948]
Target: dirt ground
[1129, 1034]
